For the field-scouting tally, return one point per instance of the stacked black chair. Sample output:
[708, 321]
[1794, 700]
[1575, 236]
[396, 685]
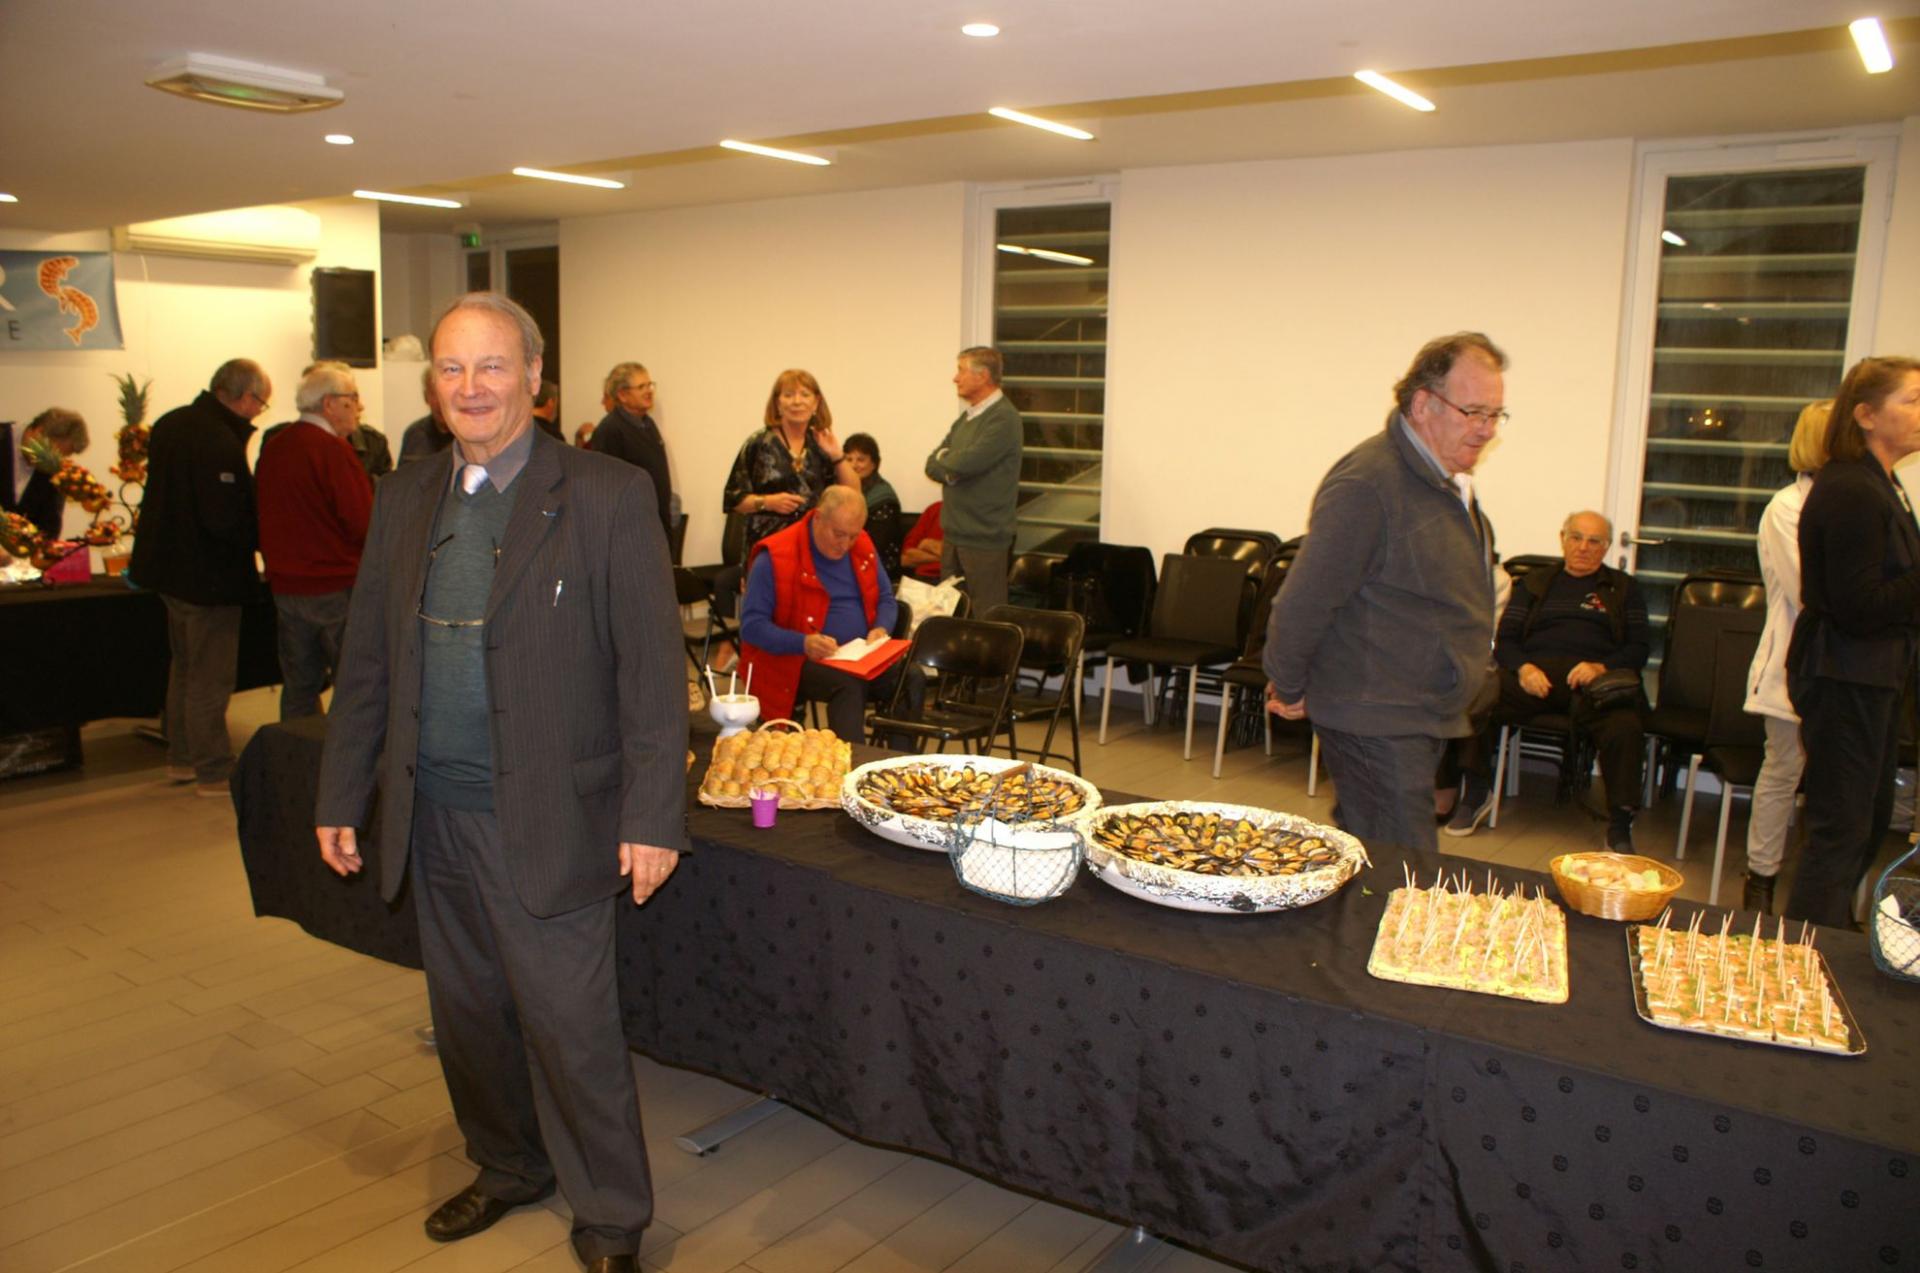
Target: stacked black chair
[1549, 734]
[1736, 741]
[1248, 672]
[1254, 549]
[1704, 604]
[1196, 624]
[1111, 586]
[1030, 580]
[1051, 648]
[973, 666]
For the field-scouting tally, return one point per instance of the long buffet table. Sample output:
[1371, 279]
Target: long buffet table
[99, 650]
[1237, 1083]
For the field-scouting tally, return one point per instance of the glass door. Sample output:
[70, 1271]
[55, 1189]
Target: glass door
[1762, 281]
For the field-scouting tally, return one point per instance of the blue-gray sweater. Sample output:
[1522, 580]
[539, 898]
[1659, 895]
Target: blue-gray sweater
[456, 751]
[1386, 620]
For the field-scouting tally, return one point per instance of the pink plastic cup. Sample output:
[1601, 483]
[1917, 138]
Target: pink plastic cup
[765, 807]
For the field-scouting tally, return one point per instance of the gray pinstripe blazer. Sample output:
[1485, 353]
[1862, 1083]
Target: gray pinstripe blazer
[583, 667]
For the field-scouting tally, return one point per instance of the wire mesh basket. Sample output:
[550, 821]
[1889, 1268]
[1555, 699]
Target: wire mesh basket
[1895, 929]
[1021, 863]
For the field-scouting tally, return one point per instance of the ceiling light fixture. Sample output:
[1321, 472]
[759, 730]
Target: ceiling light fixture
[338, 139]
[1034, 121]
[772, 152]
[1668, 236]
[1405, 96]
[420, 199]
[1045, 254]
[7, 198]
[226, 81]
[571, 178]
[1872, 43]
[980, 30]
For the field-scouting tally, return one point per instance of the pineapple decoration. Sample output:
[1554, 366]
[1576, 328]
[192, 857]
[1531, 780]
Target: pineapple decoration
[132, 437]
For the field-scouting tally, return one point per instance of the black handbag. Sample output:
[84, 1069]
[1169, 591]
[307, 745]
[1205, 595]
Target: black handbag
[1620, 687]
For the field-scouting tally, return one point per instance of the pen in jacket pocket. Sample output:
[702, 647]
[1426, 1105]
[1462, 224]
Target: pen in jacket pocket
[558, 584]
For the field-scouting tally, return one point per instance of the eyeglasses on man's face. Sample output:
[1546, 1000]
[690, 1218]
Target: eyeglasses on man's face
[1479, 415]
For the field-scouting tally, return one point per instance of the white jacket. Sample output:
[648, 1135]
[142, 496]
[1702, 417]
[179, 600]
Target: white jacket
[1780, 566]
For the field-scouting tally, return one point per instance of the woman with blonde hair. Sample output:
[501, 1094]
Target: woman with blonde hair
[785, 466]
[1779, 545]
[1859, 628]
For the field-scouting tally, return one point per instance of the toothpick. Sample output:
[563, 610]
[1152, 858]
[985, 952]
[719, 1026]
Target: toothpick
[749, 688]
[712, 687]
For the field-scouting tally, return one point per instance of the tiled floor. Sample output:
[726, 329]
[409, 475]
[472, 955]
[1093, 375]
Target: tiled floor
[183, 1086]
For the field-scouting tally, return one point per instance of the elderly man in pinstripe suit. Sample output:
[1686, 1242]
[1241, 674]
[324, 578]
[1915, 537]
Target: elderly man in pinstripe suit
[511, 681]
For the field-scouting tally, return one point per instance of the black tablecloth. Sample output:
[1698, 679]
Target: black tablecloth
[99, 650]
[1238, 1083]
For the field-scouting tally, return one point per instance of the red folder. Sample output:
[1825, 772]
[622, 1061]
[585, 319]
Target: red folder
[878, 659]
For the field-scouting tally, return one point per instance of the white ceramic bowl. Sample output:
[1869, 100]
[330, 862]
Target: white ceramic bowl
[734, 712]
[1222, 894]
[926, 833]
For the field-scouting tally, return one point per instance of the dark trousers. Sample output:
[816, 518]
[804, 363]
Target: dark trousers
[1383, 786]
[527, 1020]
[985, 572]
[308, 631]
[845, 695]
[1852, 736]
[1619, 736]
[205, 644]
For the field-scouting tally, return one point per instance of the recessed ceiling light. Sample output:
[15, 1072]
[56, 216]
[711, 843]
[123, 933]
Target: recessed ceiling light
[1405, 96]
[1872, 43]
[772, 152]
[419, 199]
[571, 178]
[338, 139]
[226, 81]
[1045, 254]
[7, 198]
[1668, 236]
[980, 30]
[1034, 121]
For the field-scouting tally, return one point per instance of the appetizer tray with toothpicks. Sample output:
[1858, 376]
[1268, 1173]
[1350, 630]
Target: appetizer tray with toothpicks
[1740, 986]
[1508, 942]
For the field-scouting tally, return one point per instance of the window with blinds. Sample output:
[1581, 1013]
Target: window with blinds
[1050, 324]
[1756, 281]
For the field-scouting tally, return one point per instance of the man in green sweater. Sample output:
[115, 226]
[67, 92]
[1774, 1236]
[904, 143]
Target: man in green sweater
[978, 468]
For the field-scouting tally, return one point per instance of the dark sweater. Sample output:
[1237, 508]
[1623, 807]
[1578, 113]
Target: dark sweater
[1598, 618]
[456, 749]
[315, 501]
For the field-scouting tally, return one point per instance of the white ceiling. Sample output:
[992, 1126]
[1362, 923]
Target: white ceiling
[454, 93]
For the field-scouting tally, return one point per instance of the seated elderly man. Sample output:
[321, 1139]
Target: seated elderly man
[810, 589]
[1563, 628]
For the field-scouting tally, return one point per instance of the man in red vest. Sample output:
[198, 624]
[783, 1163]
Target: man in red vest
[811, 588]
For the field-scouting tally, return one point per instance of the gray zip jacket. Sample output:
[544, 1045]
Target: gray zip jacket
[1386, 620]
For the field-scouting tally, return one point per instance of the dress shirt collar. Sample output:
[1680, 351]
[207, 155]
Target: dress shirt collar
[504, 467]
[975, 408]
[315, 418]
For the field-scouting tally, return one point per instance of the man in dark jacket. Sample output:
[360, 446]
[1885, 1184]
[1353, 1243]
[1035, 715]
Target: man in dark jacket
[429, 434]
[1565, 627]
[629, 433]
[26, 489]
[195, 548]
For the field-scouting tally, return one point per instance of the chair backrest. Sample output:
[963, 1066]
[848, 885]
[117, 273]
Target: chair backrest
[1256, 642]
[1256, 549]
[1199, 599]
[1518, 566]
[1703, 605]
[1030, 577]
[1050, 638]
[1111, 585]
[688, 588]
[733, 540]
[967, 647]
[677, 538]
[1729, 724]
[902, 620]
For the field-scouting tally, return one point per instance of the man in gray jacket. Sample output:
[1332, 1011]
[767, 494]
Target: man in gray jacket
[1385, 626]
[978, 468]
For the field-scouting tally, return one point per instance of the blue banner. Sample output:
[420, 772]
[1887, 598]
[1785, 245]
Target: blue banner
[58, 300]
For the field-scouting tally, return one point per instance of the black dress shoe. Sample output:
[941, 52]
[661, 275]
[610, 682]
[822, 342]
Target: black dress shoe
[1758, 894]
[614, 1264]
[465, 1214]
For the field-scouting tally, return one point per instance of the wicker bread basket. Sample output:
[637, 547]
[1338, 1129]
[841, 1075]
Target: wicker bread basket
[792, 795]
[1616, 903]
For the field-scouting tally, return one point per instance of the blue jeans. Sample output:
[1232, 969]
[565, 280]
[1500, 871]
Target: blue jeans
[1384, 786]
[309, 632]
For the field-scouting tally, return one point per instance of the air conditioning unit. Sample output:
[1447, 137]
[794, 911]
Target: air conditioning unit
[273, 233]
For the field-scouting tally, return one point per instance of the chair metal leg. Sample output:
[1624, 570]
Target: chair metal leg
[1150, 702]
[1720, 843]
[1106, 702]
[1266, 726]
[1220, 736]
[1499, 776]
[1193, 688]
[1313, 766]
[1686, 812]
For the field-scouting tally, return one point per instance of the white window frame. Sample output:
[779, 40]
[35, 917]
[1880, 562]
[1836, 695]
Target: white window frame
[1872, 147]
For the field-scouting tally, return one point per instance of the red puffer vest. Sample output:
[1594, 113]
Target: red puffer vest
[800, 605]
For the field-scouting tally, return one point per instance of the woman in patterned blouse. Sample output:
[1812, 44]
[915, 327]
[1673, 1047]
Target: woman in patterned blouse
[783, 468]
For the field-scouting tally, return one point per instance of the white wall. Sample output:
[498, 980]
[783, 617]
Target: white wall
[1897, 330]
[181, 318]
[863, 290]
[1262, 312]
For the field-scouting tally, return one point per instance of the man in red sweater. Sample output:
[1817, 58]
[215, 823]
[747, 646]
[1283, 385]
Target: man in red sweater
[315, 501]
